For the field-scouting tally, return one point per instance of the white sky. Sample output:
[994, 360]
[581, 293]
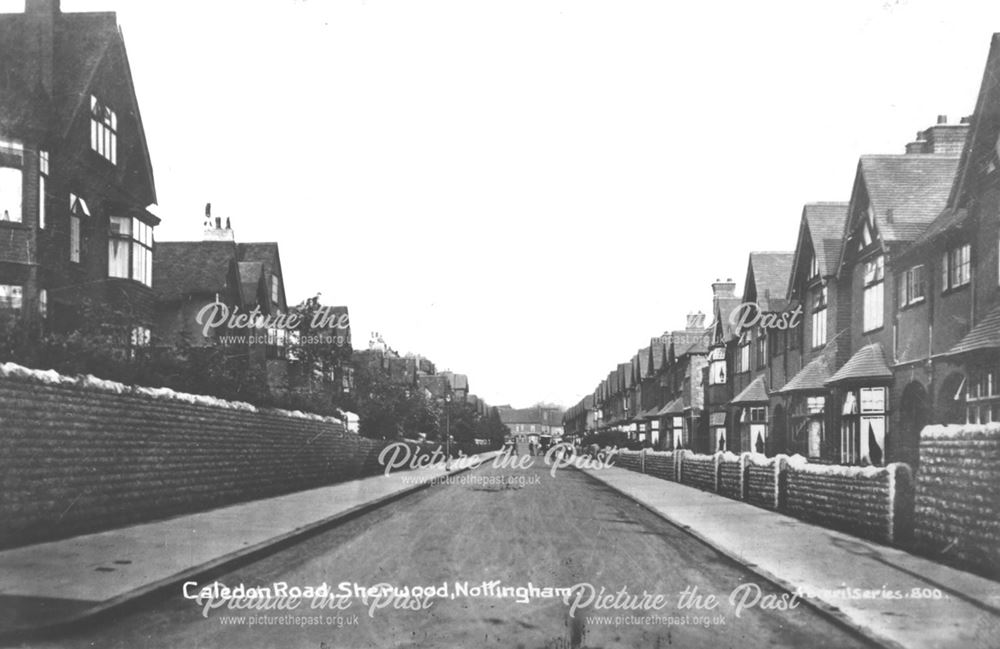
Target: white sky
[526, 191]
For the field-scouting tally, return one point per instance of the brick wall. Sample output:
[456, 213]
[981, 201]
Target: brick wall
[765, 481]
[77, 459]
[631, 460]
[698, 470]
[858, 500]
[661, 464]
[957, 496]
[731, 476]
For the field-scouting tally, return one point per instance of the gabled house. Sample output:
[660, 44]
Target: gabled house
[198, 282]
[804, 355]
[947, 348]
[764, 300]
[723, 361]
[681, 418]
[894, 200]
[76, 180]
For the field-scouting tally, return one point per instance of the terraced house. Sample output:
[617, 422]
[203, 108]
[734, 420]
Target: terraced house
[76, 180]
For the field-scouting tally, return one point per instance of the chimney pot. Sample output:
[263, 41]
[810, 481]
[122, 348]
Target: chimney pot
[208, 210]
[966, 120]
[218, 222]
[942, 119]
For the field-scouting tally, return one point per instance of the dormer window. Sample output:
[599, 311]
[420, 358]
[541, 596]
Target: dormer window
[103, 130]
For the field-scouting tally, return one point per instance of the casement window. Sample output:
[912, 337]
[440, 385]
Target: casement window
[275, 293]
[982, 395]
[130, 249]
[717, 366]
[754, 429]
[912, 286]
[874, 302]
[818, 319]
[43, 303]
[140, 337]
[761, 349]
[77, 210]
[863, 426]
[956, 267]
[43, 177]
[11, 186]
[11, 297]
[103, 130]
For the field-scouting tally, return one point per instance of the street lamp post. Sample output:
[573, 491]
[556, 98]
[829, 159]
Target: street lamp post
[447, 427]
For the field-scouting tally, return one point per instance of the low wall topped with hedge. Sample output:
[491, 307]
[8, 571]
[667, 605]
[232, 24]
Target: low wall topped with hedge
[79, 455]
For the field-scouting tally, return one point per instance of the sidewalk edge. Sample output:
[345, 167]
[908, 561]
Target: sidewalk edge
[825, 608]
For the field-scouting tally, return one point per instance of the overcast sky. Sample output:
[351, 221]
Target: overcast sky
[527, 191]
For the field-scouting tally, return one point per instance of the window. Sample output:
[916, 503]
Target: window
[753, 432]
[912, 286]
[813, 266]
[956, 267]
[873, 294]
[819, 318]
[10, 194]
[11, 296]
[863, 424]
[130, 249]
[717, 366]
[743, 359]
[140, 337]
[274, 290]
[276, 343]
[103, 130]
[761, 348]
[982, 395]
[43, 175]
[77, 209]
[43, 303]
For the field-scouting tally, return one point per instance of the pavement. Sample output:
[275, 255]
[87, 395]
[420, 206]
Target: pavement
[901, 600]
[55, 584]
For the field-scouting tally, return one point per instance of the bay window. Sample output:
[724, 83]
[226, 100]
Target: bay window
[754, 429]
[130, 249]
[874, 306]
[982, 396]
[862, 428]
[717, 366]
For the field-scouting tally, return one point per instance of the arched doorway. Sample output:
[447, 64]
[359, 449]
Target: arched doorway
[951, 400]
[914, 414]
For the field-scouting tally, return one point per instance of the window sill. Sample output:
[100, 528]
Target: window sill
[873, 329]
[956, 289]
[910, 305]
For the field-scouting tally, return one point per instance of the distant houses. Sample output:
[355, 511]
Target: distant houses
[894, 304]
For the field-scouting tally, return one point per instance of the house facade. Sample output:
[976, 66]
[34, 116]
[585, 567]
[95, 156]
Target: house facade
[76, 180]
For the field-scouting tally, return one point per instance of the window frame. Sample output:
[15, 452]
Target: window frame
[138, 241]
[103, 130]
[873, 294]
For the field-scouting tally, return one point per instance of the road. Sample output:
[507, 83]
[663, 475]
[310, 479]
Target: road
[505, 525]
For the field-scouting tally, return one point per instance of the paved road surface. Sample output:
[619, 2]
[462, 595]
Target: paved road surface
[531, 528]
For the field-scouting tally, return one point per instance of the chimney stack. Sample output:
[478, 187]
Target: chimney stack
[213, 230]
[40, 40]
[942, 138]
[696, 321]
[722, 291]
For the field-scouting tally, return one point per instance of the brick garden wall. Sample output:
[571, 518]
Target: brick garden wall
[661, 464]
[731, 476]
[858, 500]
[698, 471]
[957, 497]
[77, 459]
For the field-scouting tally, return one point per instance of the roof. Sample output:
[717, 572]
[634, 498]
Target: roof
[867, 363]
[645, 365]
[769, 272]
[82, 42]
[980, 153]
[756, 392]
[951, 220]
[675, 407]
[183, 268]
[907, 192]
[533, 415]
[826, 221]
[985, 335]
[812, 377]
